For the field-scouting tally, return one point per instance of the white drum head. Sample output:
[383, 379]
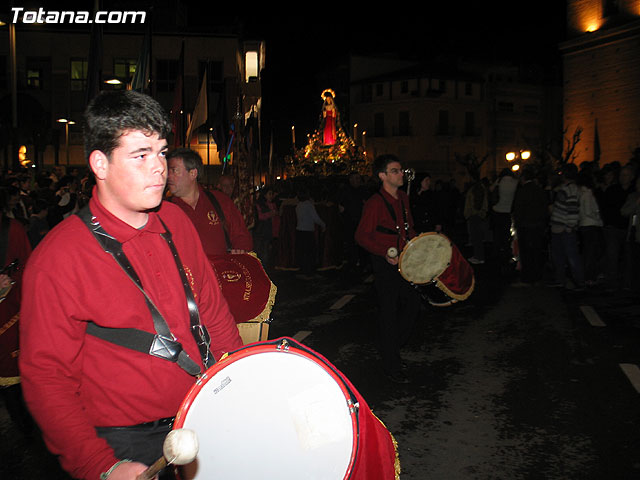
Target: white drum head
[269, 415]
[424, 258]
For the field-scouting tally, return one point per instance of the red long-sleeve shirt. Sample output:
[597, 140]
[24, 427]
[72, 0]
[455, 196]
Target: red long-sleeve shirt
[209, 226]
[72, 381]
[375, 213]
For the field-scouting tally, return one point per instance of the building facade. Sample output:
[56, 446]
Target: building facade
[601, 63]
[52, 74]
[431, 115]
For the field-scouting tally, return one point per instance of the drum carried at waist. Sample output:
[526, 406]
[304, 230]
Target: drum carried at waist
[435, 266]
[280, 410]
[248, 291]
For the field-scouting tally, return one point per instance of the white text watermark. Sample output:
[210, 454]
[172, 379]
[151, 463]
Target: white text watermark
[64, 16]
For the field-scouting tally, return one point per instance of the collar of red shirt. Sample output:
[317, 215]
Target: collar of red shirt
[120, 230]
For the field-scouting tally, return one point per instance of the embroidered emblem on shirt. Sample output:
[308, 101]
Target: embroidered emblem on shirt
[213, 218]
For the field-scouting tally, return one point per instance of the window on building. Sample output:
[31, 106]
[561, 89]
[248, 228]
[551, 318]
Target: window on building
[166, 74]
[469, 124]
[378, 124]
[404, 87]
[250, 66]
[34, 78]
[531, 109]
[404, 127]
[443, 122]
[468, 88]
[124, 69]
[214, 70]
[379, 89]
[505, 106]
[442, 85]
[367, 93]
[79, 67]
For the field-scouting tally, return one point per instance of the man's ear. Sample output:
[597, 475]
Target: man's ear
[99, 163]
[193, 173]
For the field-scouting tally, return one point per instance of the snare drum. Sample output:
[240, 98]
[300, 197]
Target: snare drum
[280, 410]
[435, 266]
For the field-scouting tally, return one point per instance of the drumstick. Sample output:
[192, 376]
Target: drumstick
[179, 448]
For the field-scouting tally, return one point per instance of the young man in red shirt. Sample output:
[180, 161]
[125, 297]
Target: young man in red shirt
[386, 223]
[103, 407]
[185, 168]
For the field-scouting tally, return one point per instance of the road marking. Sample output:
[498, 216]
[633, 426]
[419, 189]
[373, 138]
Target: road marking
[633, 374]
[592, 316]
[342, 302]
[301, 335]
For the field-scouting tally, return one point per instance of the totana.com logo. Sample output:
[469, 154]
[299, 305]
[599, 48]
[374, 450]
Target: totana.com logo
[64, 16]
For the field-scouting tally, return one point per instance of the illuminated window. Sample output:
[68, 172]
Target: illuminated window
[251, 66]
[124, 68]
[78, 74]
[34, 78]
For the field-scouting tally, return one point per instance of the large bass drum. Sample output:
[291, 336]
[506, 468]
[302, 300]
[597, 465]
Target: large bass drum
[435, 266]
[280, 410]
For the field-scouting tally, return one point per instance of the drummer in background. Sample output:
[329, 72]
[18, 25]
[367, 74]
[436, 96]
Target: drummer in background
[387, 223]
[104, 408]
[212, 212]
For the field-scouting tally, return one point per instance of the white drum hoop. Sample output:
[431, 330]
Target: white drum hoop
[425, 257]
[271, 410]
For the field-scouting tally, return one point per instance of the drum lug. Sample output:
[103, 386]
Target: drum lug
[353, 407]
[284, 345]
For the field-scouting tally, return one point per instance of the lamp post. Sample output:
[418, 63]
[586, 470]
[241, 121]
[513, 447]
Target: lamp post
[66, 134]
[515, 158]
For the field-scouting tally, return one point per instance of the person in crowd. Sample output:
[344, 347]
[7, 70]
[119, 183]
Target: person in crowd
[267, 226]
[216, 218]
[618, 185]
[15, 250]
[565, 212]
[590, 228]
[476, 206]
[226, 185]
[306, 220]
[631, 210]
[351, 202]
[38, 225]
[503, 191]
[424, 206]
[386, 224]
[118, 271]
[531, 217]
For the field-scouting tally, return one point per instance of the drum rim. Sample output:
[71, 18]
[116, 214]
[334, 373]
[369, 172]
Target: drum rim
[274, 346]
[404, 250]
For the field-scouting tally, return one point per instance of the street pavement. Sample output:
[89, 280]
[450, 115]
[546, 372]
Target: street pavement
[513, 383]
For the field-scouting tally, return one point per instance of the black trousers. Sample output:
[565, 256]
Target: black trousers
[399, 304]
[140, 443]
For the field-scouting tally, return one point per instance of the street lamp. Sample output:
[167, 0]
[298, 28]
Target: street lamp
[516, 157]
[66, 133]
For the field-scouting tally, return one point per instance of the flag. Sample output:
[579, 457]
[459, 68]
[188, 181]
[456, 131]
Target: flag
[596, 145]
[178, 104]
[201, 110]
[142, 76]
[94, 63]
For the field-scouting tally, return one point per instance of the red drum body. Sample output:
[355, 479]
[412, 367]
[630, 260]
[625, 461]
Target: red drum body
[435, 266]
[248, 291]
[279, 410]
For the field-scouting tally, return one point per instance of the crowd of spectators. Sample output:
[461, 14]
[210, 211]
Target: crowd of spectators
[574, 228]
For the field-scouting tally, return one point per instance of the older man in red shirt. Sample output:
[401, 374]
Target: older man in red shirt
[105, 407]
[216, 218]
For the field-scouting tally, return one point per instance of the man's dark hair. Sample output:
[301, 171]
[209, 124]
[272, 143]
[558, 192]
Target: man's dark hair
[381, 162]
[111, 114]
[190, 159]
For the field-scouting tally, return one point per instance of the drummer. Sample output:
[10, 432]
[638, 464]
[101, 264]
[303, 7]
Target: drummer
[385, 227]
[216, 218]
[105, 408]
